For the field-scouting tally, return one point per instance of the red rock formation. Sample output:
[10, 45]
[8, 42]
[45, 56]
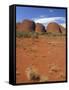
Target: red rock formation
[18, 26]
[26, 25]
[53, 27]
[39, 28]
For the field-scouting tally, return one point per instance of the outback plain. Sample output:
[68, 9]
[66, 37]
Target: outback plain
[40, 55]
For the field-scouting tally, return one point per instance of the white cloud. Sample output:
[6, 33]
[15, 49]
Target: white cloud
[64, 25]
[40, 17]
[48, 19]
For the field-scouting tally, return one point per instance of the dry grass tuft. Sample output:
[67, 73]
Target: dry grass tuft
[33, 75]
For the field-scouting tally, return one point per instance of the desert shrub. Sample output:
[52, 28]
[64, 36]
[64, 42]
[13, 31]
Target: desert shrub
[43, 33]
[37, 34]
[19, 34]
[27, 34]
[54, 34]
[32, 74]
[23, 34]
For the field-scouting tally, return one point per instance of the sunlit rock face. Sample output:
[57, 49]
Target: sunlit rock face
[54, 27]
[26, 26]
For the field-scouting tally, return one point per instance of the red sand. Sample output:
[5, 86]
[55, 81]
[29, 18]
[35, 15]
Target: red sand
[44, 53]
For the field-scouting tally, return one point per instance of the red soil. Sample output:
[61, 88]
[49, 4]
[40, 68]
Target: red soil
[46, 54]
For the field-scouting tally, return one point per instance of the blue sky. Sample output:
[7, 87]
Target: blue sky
[41, 15]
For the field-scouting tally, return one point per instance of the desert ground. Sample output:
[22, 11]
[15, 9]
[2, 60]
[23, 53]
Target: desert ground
[41, 59]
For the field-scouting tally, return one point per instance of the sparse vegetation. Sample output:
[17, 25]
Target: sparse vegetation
[37, 34]
[32, 74]
[27, 34]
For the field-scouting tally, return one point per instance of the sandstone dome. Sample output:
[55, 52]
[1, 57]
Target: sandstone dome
[26, 26]
[53, 27]
[40, 27]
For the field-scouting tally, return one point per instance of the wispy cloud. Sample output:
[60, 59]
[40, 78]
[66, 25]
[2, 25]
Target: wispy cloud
[46, 20]
[40, 17]
[63, 24]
